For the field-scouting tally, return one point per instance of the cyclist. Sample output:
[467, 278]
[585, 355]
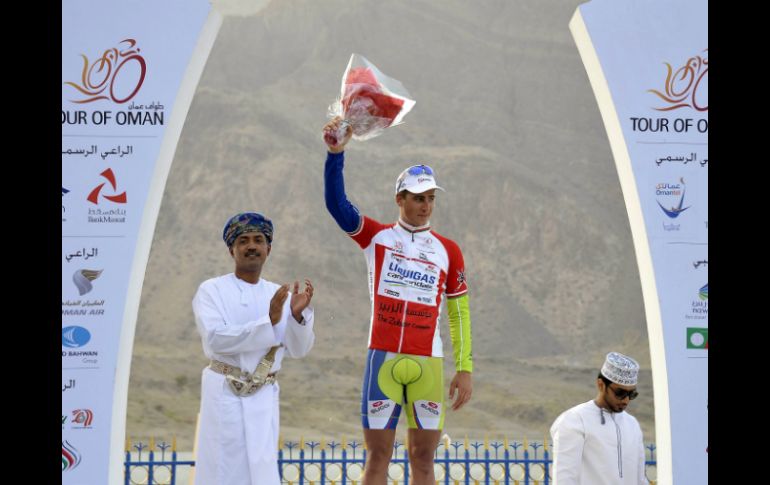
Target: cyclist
[411, 269]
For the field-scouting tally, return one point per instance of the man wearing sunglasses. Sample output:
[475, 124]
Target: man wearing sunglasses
[412, 269]
[597, 442]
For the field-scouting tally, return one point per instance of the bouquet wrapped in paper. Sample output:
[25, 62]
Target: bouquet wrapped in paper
[369, 101]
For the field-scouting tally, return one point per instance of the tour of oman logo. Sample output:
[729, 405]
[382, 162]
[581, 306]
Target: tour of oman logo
[70, 456]
[118, 71]
[687, 87]
[93, 197]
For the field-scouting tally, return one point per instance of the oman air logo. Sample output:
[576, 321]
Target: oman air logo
[93, 197]
[73, 337]
[117, 75]
[82, 417]
[672, 190]
[698, 338]
[703, 293]
[687, 87]
[70, 456]
[83, 278]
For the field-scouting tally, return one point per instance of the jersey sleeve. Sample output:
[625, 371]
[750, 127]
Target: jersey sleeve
[337, 203]
[366, 231]
[460, 332]
[456, 285]
[361, 228]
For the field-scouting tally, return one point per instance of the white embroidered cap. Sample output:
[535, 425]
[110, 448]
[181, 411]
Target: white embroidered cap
[620, 369]
[417, 179]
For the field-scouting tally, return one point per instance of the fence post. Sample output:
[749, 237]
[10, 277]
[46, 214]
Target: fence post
[302, 460]
[150, 470]
[127, 473]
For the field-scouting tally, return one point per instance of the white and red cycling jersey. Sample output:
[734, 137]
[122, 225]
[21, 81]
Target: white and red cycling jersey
[410, 270]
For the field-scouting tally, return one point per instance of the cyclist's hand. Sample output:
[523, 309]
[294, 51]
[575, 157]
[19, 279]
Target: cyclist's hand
[330, 135]
[463, 384]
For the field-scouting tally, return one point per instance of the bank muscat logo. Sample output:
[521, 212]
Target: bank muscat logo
[93, 197]
[116, 76]
[687, 86]
[70, 456]
[672, 191]
[74, 337]
[83, 278]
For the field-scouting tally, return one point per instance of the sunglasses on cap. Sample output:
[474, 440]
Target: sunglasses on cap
[622, 393]
[420, 169]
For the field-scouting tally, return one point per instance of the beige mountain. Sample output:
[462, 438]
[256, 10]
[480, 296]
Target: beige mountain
[506, 117]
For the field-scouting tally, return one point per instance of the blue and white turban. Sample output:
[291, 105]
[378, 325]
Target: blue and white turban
[247, 222]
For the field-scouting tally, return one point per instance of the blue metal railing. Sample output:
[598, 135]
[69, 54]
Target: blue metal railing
[477, 463]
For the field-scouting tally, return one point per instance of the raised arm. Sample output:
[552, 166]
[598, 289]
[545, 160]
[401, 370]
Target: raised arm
[337, 203]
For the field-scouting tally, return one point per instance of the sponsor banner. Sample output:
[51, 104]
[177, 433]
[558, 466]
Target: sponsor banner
[129, 71]
[648, 66]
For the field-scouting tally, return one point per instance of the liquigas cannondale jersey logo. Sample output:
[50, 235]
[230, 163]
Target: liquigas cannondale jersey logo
[117, 75]
[687, 86]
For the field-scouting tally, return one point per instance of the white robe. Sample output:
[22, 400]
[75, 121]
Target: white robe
[238, 436]
[587, 452]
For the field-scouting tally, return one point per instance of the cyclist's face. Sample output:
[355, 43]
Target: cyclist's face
[416, 209]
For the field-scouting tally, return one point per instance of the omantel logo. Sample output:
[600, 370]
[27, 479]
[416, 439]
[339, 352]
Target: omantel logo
[681, 87]
[93, 197]
[672, 190]
[118, 71]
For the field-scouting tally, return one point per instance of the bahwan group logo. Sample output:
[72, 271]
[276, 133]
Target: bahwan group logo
[116, 76]
[687, 86]
[70, 456]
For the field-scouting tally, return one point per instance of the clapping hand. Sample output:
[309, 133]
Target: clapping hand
[300, 301]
